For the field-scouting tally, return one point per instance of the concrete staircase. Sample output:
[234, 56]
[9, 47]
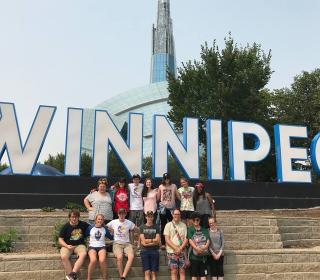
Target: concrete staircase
[256, 248]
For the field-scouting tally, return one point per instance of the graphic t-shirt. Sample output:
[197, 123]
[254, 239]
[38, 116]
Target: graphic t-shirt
[186, 198]
[149, 232]
[97, 236]
[168, 196]
[74, 235]
[170, 231]
[102, 204]
[121, 230]
[121, 200]
[136, 202]
[200, 238]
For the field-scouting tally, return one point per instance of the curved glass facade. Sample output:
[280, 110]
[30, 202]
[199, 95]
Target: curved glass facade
[148, 100]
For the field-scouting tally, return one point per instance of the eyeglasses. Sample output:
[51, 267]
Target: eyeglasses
[197, 220]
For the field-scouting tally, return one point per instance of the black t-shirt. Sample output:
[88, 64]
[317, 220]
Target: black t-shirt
[149, 232]
[74, 235]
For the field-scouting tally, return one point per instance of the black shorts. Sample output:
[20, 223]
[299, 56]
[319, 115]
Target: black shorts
[198, 268]
[97, 249]
[216, 266]
[186, 215]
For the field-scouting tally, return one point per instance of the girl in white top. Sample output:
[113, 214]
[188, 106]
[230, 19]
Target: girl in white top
[97, 246]
[167, 194]
[186, 207]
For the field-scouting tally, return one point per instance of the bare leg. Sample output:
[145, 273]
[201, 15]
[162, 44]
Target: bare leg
[92, 263]
[79, 262]
[174, 274]
[119, 264]
[66, 263]
[153, 275]
[220, 278]
[102, 262]
[182, 273]
[147, 275]
[128, 265]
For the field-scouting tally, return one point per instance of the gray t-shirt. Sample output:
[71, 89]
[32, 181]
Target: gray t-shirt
[102, 204]
[216, 241]
[149, 232]
[203, 206]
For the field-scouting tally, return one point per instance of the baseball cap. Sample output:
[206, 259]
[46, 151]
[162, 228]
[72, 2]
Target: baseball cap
[136, 176]
[166, 176]
[122, 180]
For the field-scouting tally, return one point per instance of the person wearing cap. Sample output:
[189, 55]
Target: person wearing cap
[149, 241]
[136, 202]
[199, 241]
[120, 197]
[204, 204]
[121, 229]
[167, 194]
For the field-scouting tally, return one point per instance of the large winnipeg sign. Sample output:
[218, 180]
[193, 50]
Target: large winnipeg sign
[23, 157]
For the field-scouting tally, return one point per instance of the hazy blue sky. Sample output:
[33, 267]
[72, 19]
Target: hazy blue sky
[78, 53]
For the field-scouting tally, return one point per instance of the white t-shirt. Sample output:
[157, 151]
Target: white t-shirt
[136, 201]
[97, 237]
[186, 198]
[121, 230]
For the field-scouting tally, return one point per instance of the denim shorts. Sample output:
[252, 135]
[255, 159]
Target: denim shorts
[176, 262]
[150, 259]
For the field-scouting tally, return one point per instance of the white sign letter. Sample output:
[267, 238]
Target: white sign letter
[238, 154]
[23, 158]
[285, 153]
[186, 153]
[106, 134]
[214, 150]
[73, 142]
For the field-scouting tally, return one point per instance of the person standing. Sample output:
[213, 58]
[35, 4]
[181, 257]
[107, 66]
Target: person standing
[167, 194]
[175, 233]
[71, 240]
[204, 204]
[136, 202]
[186, 207]
[121, 229]
[216, 249]
[150, 240]
[199, 241]
[120, 197]
[99, 202]
[97, 246]
[149, 196]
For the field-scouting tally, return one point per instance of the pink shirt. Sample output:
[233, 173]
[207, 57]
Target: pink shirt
[168, 195]
[150, 201]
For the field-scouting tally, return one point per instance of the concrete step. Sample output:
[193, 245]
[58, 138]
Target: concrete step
[298, 229]
[246, 264]
[247, 245]
[301, 243]
[303, 235]
[282, 222]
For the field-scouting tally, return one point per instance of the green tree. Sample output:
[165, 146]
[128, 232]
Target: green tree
[56, 161]
[227, 84]
[300, 104]
[3, 166]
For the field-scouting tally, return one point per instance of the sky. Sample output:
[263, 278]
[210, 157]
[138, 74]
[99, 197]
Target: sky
[78, 53]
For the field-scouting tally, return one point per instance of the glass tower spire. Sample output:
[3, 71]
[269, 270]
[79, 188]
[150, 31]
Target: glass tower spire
[163, 53]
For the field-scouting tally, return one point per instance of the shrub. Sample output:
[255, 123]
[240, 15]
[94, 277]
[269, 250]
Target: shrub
[57, 228]
[72, 205]
[48, 209]
[7, 240]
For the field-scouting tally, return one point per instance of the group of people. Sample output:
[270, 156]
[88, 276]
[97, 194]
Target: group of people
[189, 234]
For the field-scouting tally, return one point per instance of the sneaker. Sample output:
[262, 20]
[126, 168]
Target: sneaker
[72, 276]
